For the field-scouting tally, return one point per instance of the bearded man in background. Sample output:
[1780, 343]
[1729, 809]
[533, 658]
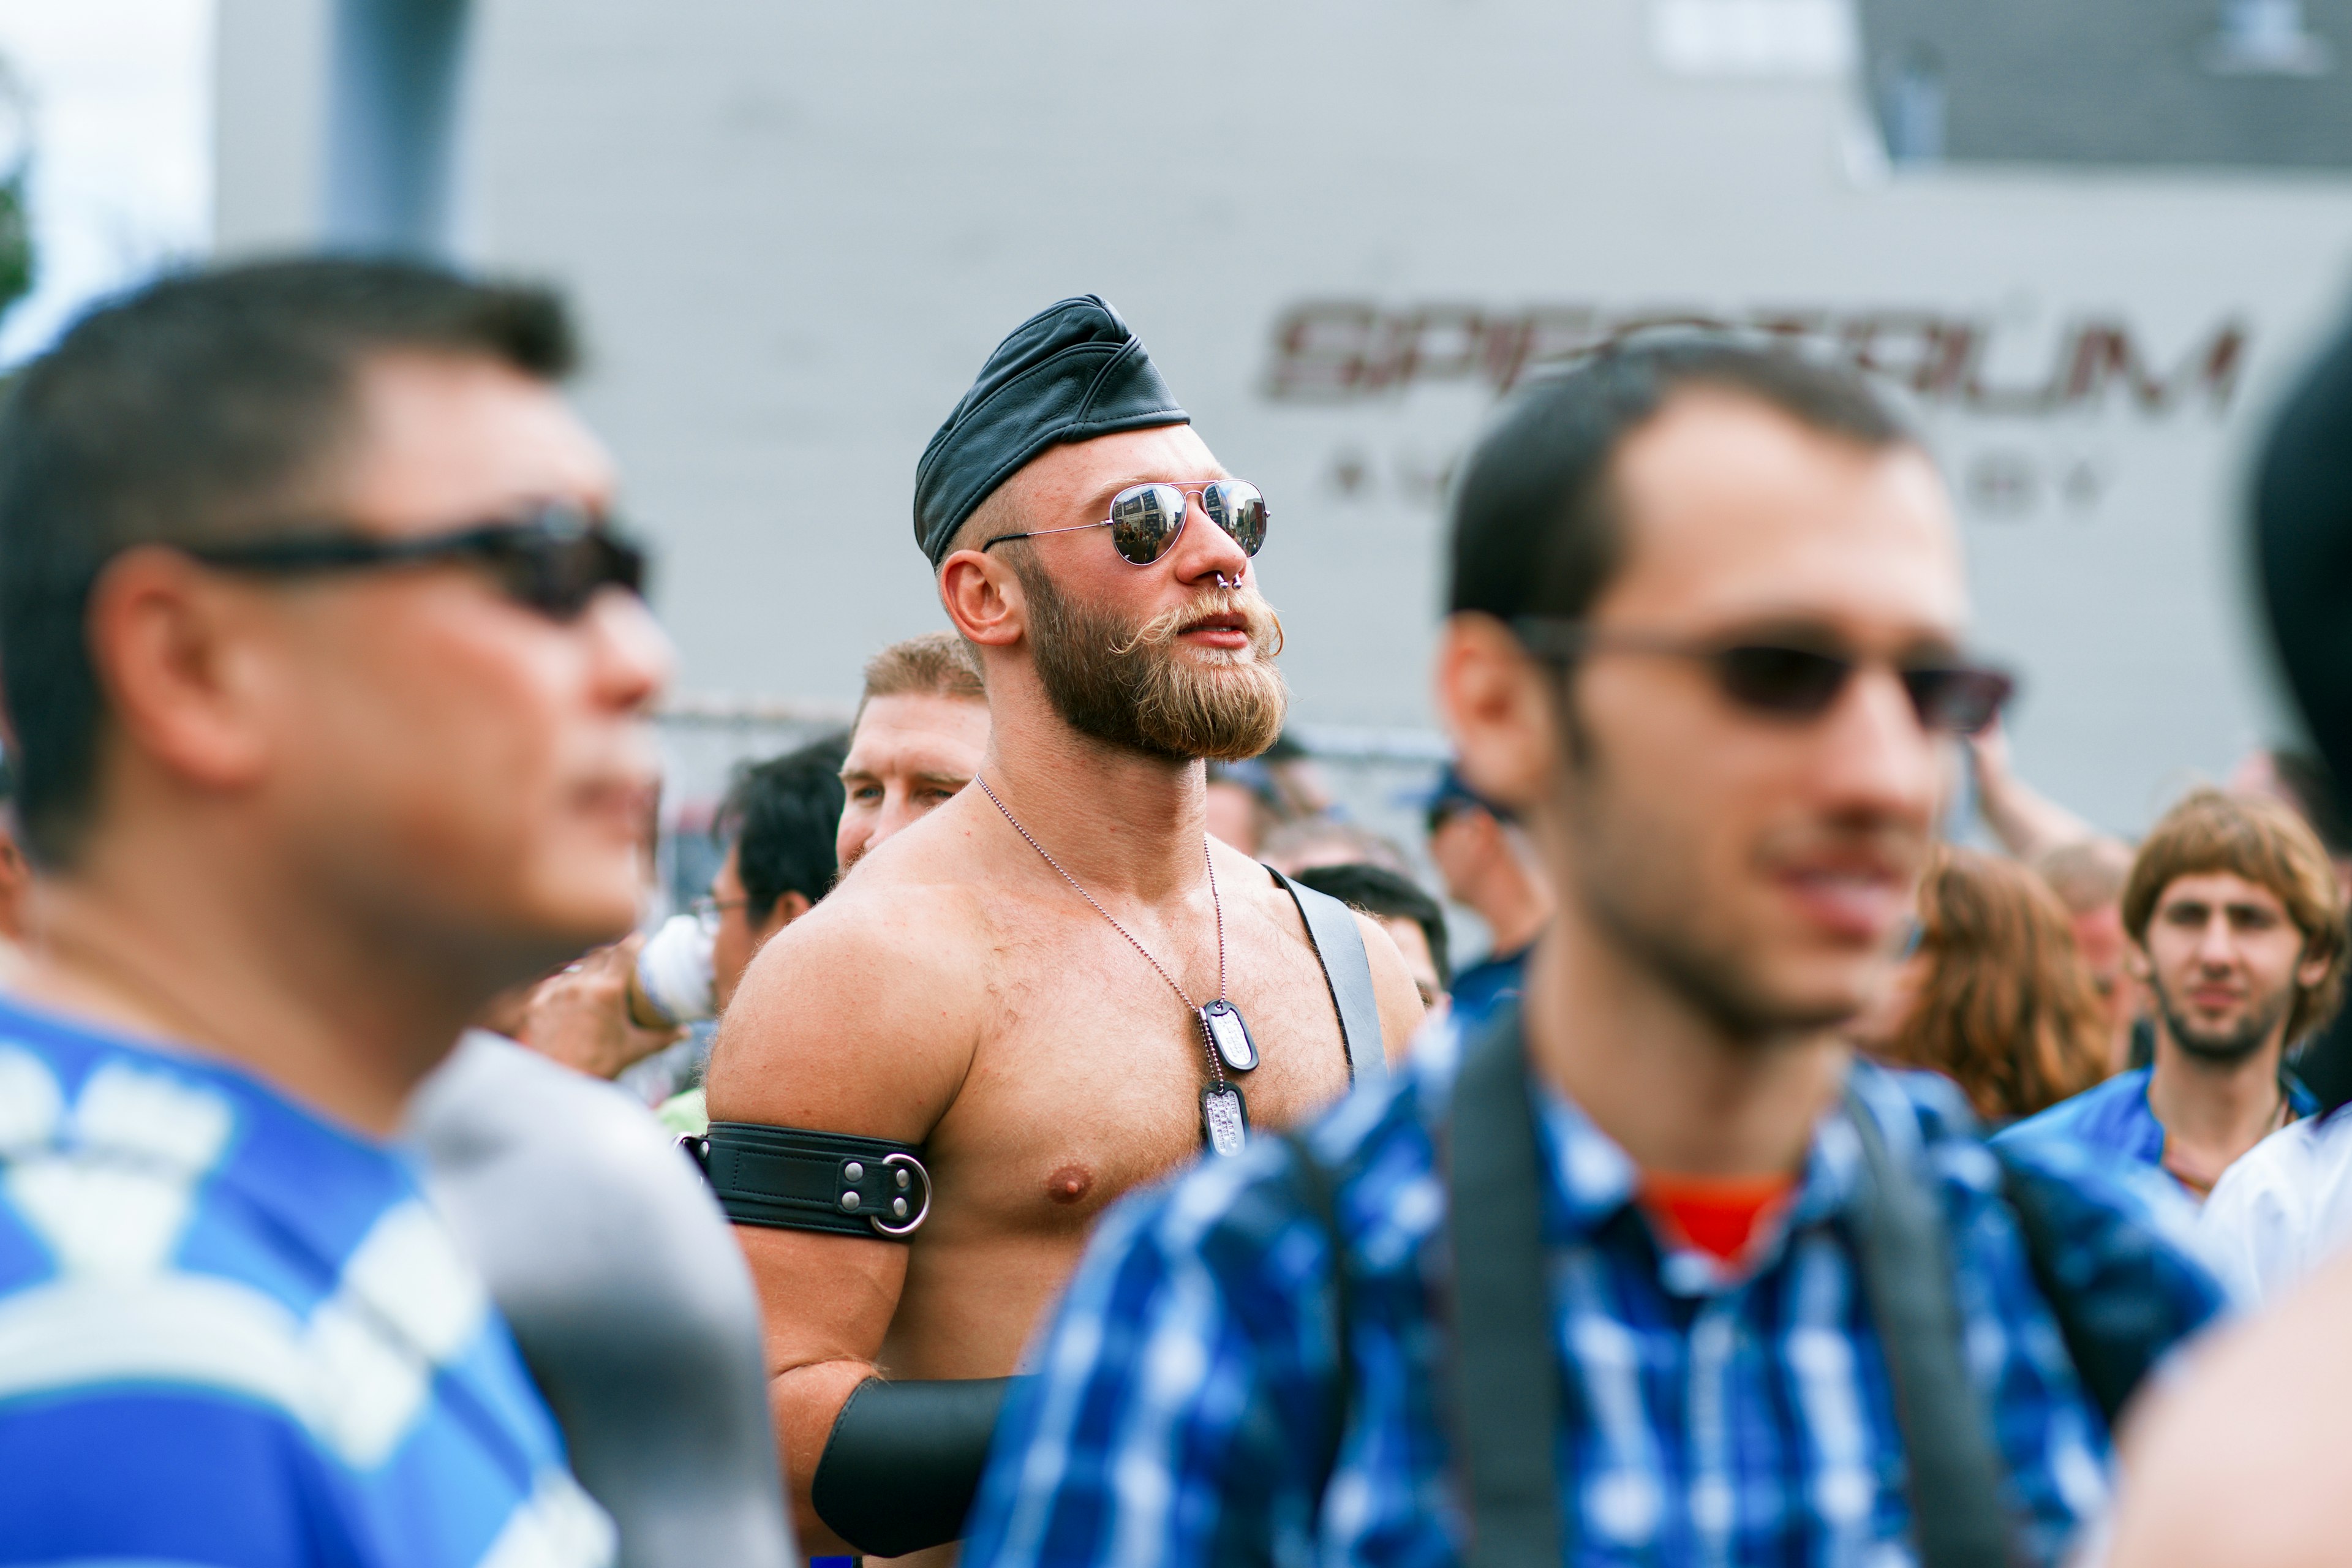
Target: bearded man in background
[1033, 996]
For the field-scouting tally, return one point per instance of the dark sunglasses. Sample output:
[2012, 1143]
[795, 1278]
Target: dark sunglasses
[1789, 682]
[1145, 521]
[554, 561]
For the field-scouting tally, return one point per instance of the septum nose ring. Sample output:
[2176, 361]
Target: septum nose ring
[1228, 584]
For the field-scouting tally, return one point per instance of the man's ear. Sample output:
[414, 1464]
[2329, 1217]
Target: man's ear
[2312, 970]
[789, 906]
[1496, 704]
[982, 597]
[2137, 961]
[173, 653]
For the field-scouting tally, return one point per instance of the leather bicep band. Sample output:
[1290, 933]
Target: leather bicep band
[904, 1461]
[790, 1178]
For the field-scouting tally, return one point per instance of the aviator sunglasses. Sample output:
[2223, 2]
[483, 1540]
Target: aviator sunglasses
[555, 559]
[1145, 520]
[1789, 682]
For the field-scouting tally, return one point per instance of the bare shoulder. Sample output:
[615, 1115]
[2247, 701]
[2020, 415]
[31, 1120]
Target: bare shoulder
[2240, 1460]
[862, 1015]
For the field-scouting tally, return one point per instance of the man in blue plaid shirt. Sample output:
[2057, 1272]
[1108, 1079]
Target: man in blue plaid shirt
[1781, 1307]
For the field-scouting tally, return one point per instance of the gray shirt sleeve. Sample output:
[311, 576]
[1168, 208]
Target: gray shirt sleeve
[626, 1291]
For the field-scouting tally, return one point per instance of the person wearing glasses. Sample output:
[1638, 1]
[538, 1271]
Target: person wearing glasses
[1054, 987]
[778, 820]
[1647, 1266]
[327, 681]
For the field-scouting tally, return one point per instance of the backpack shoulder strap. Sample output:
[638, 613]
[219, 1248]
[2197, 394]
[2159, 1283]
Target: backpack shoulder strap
[1506, 1375]
[1317, 1186]
[1905, 1257]
[1348, 970]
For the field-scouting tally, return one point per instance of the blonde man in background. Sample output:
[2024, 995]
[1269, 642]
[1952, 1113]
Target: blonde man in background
[920, 733]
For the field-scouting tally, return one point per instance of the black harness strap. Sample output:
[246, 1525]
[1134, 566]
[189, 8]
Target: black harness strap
[1348, 970]
[790, 1178]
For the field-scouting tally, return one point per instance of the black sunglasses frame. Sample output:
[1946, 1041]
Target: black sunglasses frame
[1250, 546]
[555, 561]
[1953, 699]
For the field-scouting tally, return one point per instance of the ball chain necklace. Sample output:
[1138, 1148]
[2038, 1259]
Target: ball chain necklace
[1224, 1115]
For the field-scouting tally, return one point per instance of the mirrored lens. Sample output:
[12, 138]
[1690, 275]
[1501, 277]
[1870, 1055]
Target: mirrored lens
[1144, 522]
[1791, 680]
[1238, 508]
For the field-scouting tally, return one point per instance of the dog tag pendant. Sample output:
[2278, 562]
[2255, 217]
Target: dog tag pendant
[1229, 1035]
[1225, 1119]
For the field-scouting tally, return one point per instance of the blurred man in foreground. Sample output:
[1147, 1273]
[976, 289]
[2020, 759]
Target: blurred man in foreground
[2237, 931]
[920, 733]
[17, 917]
[328, 679]
[1687, 1283]
[1034, 998]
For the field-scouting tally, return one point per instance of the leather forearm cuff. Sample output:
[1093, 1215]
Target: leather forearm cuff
[794, 1179]
[904, 1462]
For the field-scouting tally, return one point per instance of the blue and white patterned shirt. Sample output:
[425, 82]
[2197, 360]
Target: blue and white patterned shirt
[233, 1334]
[1186, 1395]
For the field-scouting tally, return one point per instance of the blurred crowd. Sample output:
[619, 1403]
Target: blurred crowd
[1097, 1145]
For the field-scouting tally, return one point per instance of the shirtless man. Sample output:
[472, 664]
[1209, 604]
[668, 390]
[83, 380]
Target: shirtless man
[959, 997]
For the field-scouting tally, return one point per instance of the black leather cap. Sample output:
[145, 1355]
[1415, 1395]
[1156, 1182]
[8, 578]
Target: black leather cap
[1070, 372]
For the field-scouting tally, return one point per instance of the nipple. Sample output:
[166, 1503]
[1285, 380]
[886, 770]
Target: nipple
[1069, 1184]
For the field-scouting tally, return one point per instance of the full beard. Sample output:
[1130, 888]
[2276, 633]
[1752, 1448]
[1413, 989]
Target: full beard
[2224, 1049]
[1135, 688]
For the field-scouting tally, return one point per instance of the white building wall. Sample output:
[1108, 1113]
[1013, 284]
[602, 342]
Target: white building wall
[795, 230]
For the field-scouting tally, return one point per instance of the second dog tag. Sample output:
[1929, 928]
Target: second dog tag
[1224, 1120]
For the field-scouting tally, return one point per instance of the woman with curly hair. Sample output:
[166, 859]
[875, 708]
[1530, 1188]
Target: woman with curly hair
[1994, 995]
